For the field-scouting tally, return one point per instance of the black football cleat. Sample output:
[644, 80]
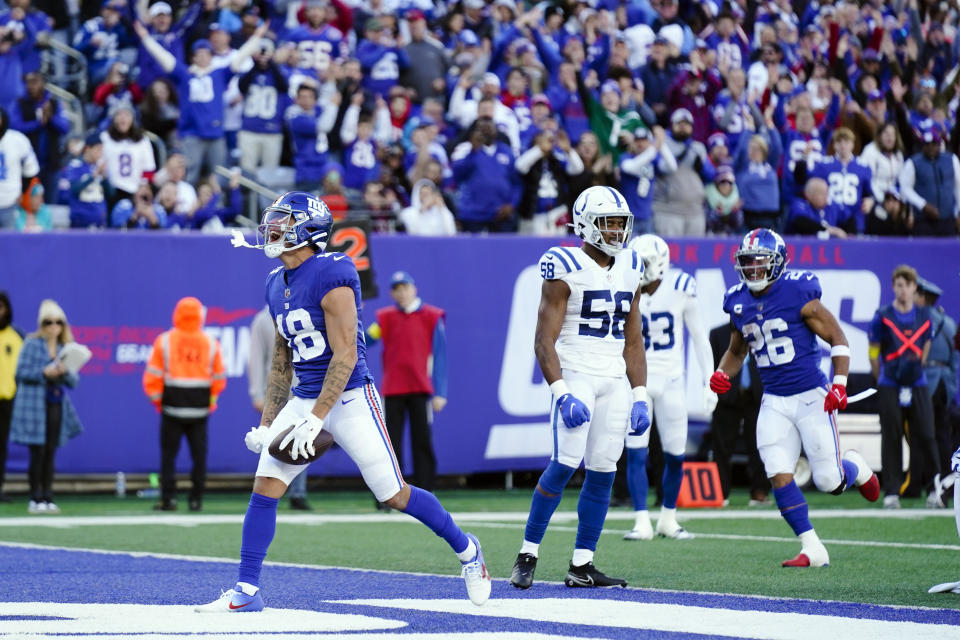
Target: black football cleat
[589, 576]
[298, 503]
[523, 569]
[165, 505]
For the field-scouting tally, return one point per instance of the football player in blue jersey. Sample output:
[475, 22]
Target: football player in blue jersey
[589, 346]
[777, 315]
[314, 299]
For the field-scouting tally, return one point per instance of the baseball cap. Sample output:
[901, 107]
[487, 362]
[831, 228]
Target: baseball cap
[373, 24]
[469, 39]
[925, 285]
[490, 78]
[425, 121]
[876, 94]
[681, 115]
[610, 85]
[642, 134]
[114, 5]
[660, 40]
[871, 54]
[415, 14]
[510, 4]
[92, 140]
[159, 8]
[215, 26]
[724, 174]
[202, 43]
[474, 4]
[400, 277]
[541, 98]
[701, 44]
[716, 140]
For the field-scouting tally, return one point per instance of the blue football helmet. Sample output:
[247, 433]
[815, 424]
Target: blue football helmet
[591, 212]
[294, 220]
[761, 258]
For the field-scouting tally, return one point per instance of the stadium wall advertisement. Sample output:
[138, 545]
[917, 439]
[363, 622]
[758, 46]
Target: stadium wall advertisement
[119, 289]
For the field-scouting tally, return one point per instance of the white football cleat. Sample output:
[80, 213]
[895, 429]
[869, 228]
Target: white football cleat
[233, 601]
[476, 576]
[642, 529]
[946, 587]
[672, 530]
[891, 502]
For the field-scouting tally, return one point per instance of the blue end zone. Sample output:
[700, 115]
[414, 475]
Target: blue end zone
[42, 575]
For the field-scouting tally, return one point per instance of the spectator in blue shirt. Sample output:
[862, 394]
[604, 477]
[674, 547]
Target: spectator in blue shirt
[814, 215]
[39, 116]
[264, 89]
[755, 163]
[171, 36]
[484, 169]
[30, 22]
[101, 38]
[141, 212]
[201, 87]
[86, 175]
[309, 124]
[380, 57]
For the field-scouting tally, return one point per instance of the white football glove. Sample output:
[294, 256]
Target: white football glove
[255, 438]
[303, 436]
[955, 461]
[709, 399]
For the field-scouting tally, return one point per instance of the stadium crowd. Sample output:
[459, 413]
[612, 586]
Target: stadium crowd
[829, 118]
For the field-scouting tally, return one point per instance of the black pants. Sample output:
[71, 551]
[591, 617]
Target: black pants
[923, 447]
[424, 460]
[6, 411]
[40, 472]
[728, 422]
[943, 427]
[172, 431]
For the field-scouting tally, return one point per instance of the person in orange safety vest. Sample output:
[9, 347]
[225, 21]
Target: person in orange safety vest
[183, 378]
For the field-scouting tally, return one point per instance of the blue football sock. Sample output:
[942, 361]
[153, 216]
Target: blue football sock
[672, 479]
[546, 497]
[793, 507]
[592, 508]
[425, 507]
[850, 472]
[637, 480]
[259, 525]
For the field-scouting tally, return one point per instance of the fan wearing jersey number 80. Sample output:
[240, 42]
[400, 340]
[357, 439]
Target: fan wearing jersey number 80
[778, 317]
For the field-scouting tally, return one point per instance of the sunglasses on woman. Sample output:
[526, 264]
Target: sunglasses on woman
[47, 323]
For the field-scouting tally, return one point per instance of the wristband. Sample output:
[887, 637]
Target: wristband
[840, 351]
[559, 388]
[640, 395]
[840, 380]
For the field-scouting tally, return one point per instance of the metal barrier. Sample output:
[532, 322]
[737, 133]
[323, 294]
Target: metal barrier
[75, 114]
[75, 79]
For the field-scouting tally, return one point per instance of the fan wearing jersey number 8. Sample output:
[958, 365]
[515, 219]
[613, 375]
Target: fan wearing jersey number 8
[668, 304]
[777, 315]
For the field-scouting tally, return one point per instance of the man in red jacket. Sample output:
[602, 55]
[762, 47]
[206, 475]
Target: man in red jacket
[414, 372]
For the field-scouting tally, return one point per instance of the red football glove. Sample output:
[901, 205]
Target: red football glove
[836, 398]
[720, 382]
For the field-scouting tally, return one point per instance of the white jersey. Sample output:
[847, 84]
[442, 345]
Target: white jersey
[127, 161]
[666, 312]
[592, 336]
[17, 161]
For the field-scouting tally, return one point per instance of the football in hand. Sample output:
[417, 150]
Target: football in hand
[321, 444]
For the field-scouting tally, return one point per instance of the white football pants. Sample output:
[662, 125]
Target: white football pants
[668, 404]
[599, 441]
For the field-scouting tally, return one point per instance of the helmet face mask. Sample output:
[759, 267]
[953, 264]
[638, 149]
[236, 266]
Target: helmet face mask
[761, 259]
[594, 213]
[295, 219]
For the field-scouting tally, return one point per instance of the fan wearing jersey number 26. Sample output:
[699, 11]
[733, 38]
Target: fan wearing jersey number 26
[777, 315]
[314, 298]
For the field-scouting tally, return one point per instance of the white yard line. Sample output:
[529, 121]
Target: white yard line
[185, 520]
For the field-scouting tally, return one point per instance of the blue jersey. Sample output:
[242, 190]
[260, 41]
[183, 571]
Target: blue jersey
[847, 185]
[294, 298]
[360, 164]
[201, 100]
[317, 47]
[784, 347]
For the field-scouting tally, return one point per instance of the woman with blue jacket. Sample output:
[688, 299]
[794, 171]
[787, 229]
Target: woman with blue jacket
[43, 415]
[755, 165]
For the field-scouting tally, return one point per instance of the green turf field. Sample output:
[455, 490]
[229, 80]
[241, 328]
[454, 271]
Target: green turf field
[876, 559]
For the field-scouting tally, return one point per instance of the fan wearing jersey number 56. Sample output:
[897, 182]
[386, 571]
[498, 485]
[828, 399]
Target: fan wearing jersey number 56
[777, 315]
[590, 349]
[314, 298]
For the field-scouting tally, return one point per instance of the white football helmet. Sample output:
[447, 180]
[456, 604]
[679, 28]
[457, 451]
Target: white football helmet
[591, 212]
[655, 253]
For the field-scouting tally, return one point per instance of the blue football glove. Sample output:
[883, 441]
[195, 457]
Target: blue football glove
[573, 412]
[639, 418]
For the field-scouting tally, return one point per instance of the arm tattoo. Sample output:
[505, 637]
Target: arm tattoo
[278, 382]
[338, 375]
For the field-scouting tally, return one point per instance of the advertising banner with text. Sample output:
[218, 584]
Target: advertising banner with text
[119, 290]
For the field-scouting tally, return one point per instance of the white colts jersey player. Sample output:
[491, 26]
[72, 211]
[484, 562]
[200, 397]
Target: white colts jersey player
[668, 304]
[17, 161]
